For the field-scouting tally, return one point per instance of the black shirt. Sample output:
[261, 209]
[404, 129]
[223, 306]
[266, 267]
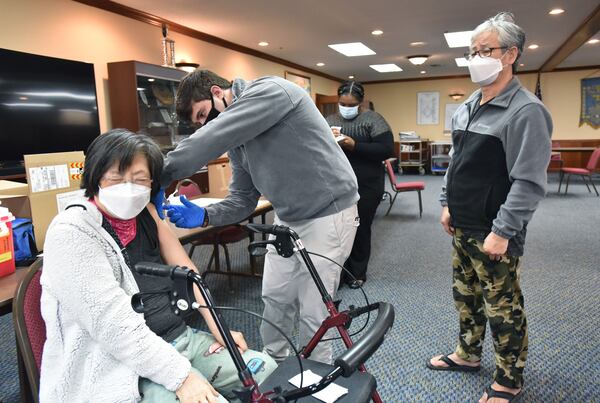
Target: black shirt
[145, 248]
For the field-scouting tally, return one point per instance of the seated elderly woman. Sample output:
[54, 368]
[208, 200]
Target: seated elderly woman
[97, 347]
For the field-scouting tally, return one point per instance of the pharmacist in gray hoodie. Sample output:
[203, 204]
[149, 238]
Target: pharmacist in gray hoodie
[280, 147]
[495, 181]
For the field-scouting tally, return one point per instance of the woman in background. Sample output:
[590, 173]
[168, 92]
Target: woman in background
[367, 140]
[97, 347]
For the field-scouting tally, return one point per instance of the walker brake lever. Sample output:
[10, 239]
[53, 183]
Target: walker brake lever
[259, 248]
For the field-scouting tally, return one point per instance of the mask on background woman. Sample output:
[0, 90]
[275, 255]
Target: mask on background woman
[348, 112]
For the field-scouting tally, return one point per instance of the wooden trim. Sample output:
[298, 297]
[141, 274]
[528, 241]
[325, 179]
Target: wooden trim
[401, 80]
[585, 31]
[151, 19]
[596, 67]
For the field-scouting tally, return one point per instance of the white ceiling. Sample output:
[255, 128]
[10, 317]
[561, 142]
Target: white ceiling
[299, 31]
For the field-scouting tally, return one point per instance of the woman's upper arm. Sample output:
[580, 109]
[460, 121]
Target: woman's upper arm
[171, 249]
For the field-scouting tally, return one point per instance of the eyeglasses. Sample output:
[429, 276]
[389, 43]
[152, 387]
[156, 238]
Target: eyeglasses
[487, 52]
[117, 180]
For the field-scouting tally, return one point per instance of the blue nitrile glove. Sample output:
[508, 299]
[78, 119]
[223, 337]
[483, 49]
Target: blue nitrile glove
[187, 215]
[158, 200]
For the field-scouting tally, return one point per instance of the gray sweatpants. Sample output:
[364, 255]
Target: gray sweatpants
[288, 287]
[210, 362]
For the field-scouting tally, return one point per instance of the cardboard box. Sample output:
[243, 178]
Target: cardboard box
[50, 177]
[15, 196]
[219, 176]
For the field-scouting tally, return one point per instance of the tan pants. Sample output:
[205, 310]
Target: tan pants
[288, 287]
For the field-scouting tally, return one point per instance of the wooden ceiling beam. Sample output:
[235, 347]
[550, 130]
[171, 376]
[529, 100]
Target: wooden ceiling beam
[584, 32]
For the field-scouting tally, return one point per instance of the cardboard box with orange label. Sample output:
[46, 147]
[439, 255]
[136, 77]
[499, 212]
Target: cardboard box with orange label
[52, 181]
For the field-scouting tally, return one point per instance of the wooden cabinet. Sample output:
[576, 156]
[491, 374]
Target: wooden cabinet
[142, 99]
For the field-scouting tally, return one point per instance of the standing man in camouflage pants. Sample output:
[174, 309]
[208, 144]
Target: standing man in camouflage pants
[496, 178]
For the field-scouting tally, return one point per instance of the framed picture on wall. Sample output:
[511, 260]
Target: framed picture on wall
[428, 108]
[450, 109]
[302, 81]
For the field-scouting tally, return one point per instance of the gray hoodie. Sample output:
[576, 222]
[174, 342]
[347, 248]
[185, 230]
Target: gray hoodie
[279, 146]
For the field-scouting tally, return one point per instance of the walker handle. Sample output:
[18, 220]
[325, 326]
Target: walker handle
[362, 350]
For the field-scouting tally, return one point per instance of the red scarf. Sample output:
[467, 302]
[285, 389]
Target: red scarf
[126, 230]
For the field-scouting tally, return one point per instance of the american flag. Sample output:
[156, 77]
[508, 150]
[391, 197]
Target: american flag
[538, 88]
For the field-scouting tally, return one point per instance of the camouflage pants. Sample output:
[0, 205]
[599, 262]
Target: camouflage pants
[486, 290]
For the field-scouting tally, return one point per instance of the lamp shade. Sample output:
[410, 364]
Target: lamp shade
[417, 59]
[456, 95]
[189, 67]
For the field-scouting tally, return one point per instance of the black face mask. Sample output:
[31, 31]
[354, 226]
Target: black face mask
[213, 113]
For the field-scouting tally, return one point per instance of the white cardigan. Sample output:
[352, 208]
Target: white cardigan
[97, 346]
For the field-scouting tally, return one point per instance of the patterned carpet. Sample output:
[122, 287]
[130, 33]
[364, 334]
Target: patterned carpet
[410, 268]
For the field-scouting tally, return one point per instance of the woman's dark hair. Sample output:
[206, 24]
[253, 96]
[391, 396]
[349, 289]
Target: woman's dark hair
[119, 145]
[353, 88]
[195, 87]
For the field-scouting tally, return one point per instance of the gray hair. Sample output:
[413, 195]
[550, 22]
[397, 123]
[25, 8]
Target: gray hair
[509, 33]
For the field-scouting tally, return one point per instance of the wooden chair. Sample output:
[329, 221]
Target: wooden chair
[222, 237]
[30, 331]
[403, 187]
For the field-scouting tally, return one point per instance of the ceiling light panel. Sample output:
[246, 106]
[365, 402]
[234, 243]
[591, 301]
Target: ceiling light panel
[461, 62]
[385, 68]
[352, 49]
[458, 39]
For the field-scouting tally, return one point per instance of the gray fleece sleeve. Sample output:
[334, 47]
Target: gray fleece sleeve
[527, 145]
[260, 107]
[242, 198]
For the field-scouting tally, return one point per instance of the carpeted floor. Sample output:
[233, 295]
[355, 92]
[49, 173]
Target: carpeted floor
[410, 268]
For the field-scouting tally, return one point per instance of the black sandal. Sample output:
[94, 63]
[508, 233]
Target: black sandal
[501, 395]
[452, 366]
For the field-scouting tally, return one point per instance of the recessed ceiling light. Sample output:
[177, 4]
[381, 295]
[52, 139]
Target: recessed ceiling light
[320, 64]
[521, 64]
[150, 79]
[263, 43]
[350, 77]
[556, 11]
[415, 44]
[352, 49]
[533, 46]
[458, 39]
[423, 72]
[377, 32]
[385, 68]
[593, 41]
[461, 62]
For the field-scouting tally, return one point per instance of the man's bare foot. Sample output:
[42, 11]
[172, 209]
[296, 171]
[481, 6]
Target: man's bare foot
[436, 362]
[497, 387]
